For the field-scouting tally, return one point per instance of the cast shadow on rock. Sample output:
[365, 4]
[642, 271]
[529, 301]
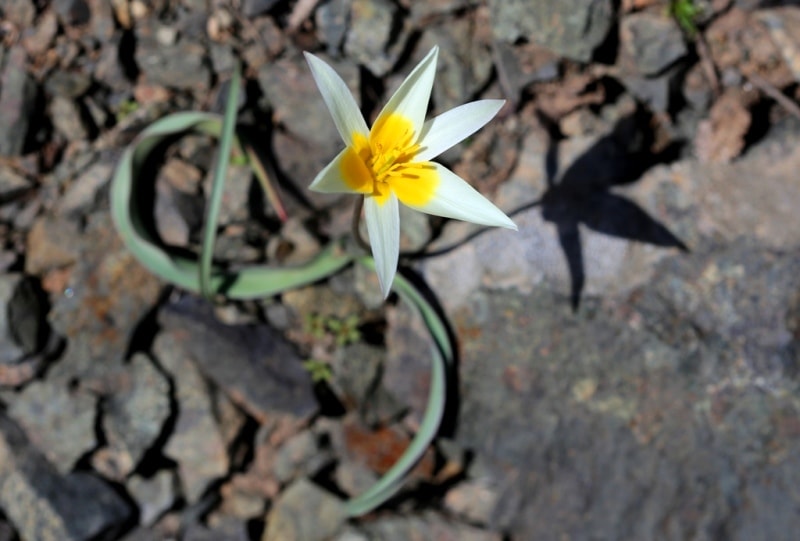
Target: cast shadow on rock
[582, 194]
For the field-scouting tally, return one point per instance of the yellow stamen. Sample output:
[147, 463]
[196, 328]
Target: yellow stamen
[385, 164]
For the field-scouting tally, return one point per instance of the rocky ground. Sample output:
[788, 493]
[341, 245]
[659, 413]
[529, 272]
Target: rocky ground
[628, 361]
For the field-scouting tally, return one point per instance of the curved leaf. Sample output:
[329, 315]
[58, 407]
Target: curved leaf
[441, 363]
[249, 282]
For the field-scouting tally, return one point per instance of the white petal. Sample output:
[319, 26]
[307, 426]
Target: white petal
[330, 180]
[411, 99]
[383, 227]
[341, 104]
[455, 198]
[450, 128]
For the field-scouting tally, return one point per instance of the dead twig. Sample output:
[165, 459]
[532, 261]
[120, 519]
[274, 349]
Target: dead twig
[707, 64]
[302, 11]
[764, 86]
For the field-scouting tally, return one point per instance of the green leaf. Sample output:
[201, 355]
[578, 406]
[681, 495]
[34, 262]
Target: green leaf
[442, 362]
[218, 185]
[128, 214]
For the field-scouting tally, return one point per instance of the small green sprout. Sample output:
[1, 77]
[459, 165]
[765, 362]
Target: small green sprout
[319, 370]
[686, 12]
[344, 331]
[315, 325]
[126, 108]
[238, 158]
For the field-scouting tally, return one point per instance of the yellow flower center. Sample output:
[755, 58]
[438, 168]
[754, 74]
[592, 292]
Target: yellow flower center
[384, 163]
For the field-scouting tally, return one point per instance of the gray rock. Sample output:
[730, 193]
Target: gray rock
[572, 28]
[179, 207]
[297, 103]
[657, 92]
[181, 65]
[67, 84]
[271, 43]
[196, 442]
[304, 512]
[372, 39]
[72, 12]
[652, 41]
[518, 426]
[225, 530]
[365, 285]
[420, 11]
[23, 327]
[7, 532]
[196, 5]
[136, 410]
[354, 477]
[356, 371]
[736, 296]
[253, 8]
[57, 420]
[68, 120]
[522, 65]
[427, 526]
[46, 506]
[12, 184]
[108, 69]
[697, 91]
[712, 332]
[17, 98]
[106, 295]
[233, 207]
[154, 495]
[223, 58]
[82, 193]
[473, 499]
[20, 12]
[302, 243]
[262, 373]
[464, 65]
[301, 166]
[597, 409]
[143, 534]
[351, 534]
[300, 456]
[332, 20]
[101, 24]
[41, 39]
[783, 25]
[407, 370]
[171, 223]
[721, 203]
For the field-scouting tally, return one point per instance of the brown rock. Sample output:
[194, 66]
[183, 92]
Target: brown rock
[52, 243]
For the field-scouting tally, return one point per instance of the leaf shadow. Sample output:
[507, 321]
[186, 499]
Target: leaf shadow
[583, 196]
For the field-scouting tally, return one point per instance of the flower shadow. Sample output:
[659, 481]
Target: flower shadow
[582, 194]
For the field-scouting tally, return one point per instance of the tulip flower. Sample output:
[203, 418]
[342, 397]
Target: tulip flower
[390, 163]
